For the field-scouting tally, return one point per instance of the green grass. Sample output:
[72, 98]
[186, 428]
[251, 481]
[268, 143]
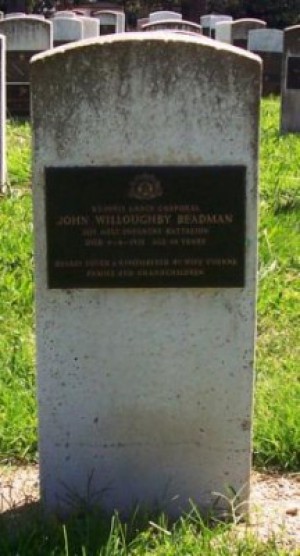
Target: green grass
[91, 535]
[277, 415]
[19, 153]
[277, 407]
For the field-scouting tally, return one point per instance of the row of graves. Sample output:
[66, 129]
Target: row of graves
[145, 151]
[28, 35]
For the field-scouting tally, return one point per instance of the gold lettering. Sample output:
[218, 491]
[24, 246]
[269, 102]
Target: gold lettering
[73, 220]
[187, 219]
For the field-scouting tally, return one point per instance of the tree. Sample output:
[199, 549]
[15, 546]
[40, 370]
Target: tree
[192, 10]
[277, 13]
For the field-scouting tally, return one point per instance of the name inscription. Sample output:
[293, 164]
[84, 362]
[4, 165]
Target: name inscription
[162, 226]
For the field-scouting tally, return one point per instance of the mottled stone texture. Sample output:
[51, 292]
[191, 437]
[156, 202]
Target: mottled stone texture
[27, 34]
[290, 84]
[145, 395]
[2, 113]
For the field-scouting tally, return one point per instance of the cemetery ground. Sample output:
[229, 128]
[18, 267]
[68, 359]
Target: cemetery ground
[276, 447]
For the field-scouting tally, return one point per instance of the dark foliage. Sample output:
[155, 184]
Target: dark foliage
[277, 13]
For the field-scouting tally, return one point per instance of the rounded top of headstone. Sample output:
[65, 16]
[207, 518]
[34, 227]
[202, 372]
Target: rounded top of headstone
[249, 21]
[103, 12]
[163, 16]
[211, 19]
[166, 38]
[14, 15]
[292, 29]
[64, 14]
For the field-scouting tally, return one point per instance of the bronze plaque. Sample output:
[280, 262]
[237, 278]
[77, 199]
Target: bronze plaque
[293, 72]
[146, 227]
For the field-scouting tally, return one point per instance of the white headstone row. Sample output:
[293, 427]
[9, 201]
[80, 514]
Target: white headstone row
[69, 27]
[236, 32]
[209, 22]
[25, 37]
[145, 257]
[176, 25]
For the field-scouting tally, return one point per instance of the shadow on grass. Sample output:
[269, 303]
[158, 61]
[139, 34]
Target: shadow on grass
[26, 531]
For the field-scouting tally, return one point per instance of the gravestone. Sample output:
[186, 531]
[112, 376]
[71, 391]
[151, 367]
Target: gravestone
[110, 22]
[240, 29]
[209, 22]
[163, 16]
[14, 15]
[145, 257]
[1, 15]
[65, 14]
[66, 29]
[25, 37]
[223, 31]
[90, 27]
[2, 113]
[290, 85]
[268, 44]
[176, 25]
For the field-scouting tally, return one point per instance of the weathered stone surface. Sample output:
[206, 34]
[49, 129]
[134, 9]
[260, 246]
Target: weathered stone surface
[145, 395]
[290, 85]
[27, 34]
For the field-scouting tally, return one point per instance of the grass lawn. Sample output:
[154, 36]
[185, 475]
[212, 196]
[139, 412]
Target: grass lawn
[277, 408]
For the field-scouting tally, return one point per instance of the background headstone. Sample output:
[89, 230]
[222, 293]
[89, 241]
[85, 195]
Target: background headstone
[13, 15]
[2, 112]
[163, 16]
[209, 22]
[145, 392]
[268, 44]
[223, 31]
[290, 85]
[178, 25]
[66, 29]
[1, 15]
[25, 36]
[240, 29]
[65, 14]
[90, 27]
[110, 22]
